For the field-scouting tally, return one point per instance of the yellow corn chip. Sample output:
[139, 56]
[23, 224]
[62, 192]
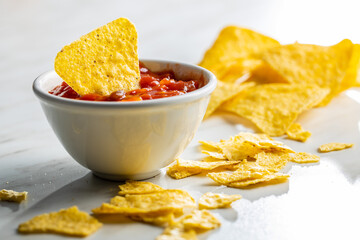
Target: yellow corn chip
[159, 220]
[200, 220]
[303, 157]
[177, 233]
[272, 161]
[311, 64]
[334, 147]
[186, 168]
[135, 187]
[271, 178]
[274, 107]
[216, 155]
[240, 70]
[222, 93]
[234, 43]
[296, 132]
[163, 202]
[246, 171]
[245, 145]
[12, 196]
[216, 200]
[69, 221]
[103, 61]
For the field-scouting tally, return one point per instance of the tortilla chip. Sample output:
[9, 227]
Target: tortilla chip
[159, 220]
[186, 168]
[311, 64]
[217, 155]
[272, 161]
[69, 221]
[102, 61]
[303, 157]
[12, 196]
[334, 147]
[240, 70]
[200, 220]
[216, 200]
[234, 43]
[274, 107]
[222, 93]
[296, 132]
[270, 179]
[135, 187]
[166, 201]
[177, 233]
[246, 145]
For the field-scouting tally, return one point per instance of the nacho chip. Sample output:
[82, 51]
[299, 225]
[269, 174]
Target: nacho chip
[159, 220]
[246, 145]
[303, 157]
[334, 147]
[166, 201]
[274, 107]
[234, 43]
[296, 132]
[135, 187]
[102, 61]
[272, 161]
[222, 93]
[241, 70]
[311, 64]
[177, 233]
[186, 168]
[246, 171]
[216, 200]
[217, 155]
[12, 196]
[270, 179]
[69, 221]
[199, 220]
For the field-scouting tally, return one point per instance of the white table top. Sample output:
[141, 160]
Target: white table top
[319, 201]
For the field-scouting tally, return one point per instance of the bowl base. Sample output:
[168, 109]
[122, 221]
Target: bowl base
[120, 177]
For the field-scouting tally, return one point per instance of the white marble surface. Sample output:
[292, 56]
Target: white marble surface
[320, 200]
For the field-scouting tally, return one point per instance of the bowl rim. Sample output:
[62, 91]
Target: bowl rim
[188, 97]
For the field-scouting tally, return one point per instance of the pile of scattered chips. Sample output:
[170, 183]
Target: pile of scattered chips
[173, 209]
[149, 203]
[251, 158]
[272, 84]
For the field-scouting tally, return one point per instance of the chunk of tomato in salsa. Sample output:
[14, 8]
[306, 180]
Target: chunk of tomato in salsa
[152, 86]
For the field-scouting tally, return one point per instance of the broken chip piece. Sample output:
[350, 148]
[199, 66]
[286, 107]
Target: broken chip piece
[296, 132]
[334, 147]
[217, 200]
[303, 157]
[102, 61]
[12, 196]
[69, 221]
[199, 220]
[136, 187]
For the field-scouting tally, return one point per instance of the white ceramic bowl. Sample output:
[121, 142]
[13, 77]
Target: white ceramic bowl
[127, 140]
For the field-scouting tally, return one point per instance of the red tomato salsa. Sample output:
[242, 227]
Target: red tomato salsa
[152, 86]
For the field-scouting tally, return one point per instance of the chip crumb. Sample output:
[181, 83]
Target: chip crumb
[217, 200]
[12, 196]
[296, 132]
[69, 221]
[334, 147]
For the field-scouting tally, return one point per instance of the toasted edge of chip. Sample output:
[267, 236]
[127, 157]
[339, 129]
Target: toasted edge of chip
[328, 147]
[12, 196]
[69, 221]
[269, 179]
